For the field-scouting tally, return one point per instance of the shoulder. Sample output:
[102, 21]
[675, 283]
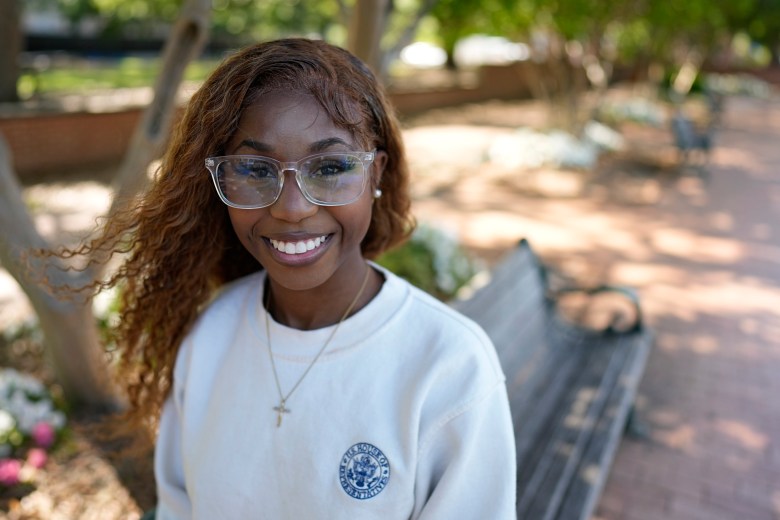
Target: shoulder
[218, 322]
[446, 361]
[444, 334]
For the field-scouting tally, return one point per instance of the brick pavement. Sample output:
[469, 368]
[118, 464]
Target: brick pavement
[710, 392]
[705, 255]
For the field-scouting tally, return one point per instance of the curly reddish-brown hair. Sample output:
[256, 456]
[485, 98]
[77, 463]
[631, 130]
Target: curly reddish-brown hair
[180, 244]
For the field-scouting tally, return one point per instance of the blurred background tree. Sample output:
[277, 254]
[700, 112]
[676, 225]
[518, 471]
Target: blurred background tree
[586, 35]
[71, 337]
[10, 46]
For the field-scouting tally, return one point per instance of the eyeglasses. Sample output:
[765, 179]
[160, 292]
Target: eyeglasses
[325, 179]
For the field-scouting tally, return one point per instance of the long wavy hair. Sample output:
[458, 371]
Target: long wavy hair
[179, 245]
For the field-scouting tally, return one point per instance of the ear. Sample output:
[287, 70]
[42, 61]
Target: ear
[379, 164]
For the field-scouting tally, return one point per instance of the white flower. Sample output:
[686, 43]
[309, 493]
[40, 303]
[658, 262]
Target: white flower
[24, 402]
[56, 419]
[451, 266]
[7, 423]
[31, 413]
[12, 381]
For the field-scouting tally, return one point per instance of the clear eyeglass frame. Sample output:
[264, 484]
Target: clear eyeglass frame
[213, 165]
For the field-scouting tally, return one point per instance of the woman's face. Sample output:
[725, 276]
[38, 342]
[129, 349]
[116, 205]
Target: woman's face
[288, 126]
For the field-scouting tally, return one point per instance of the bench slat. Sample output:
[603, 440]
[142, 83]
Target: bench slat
[535, 403]
[582, 496]
[555, 458]
[569, 390]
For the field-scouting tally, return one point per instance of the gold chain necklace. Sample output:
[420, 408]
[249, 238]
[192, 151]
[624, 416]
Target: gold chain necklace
[282, 409]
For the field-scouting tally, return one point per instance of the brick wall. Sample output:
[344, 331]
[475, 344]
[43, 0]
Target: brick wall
[48, 143]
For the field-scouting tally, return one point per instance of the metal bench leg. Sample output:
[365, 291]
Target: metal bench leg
[635, 427]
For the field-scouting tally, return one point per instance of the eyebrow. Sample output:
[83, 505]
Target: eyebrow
[318, 146]
[255, 145]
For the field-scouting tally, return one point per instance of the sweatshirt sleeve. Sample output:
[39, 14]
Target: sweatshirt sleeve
[467, 468]
[173, 503]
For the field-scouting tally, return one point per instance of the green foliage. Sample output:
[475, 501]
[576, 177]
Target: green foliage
[243, 20]
[652, 29]
[106, 307]
[432, 261]
[128, 72]
[414, 262]
[459, 18]
[237, 21]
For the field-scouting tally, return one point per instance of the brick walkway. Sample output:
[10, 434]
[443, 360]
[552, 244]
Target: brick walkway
[705, 254]
[710, 393]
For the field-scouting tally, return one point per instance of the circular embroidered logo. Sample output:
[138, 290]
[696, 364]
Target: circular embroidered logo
[364, 471]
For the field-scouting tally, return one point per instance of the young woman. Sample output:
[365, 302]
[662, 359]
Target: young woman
[292, 377]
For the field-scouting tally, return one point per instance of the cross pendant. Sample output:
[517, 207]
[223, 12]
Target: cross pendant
[280, 410]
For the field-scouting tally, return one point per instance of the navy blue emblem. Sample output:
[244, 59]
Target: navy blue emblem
[364, 471]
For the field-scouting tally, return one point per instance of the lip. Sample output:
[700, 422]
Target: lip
[299, 258]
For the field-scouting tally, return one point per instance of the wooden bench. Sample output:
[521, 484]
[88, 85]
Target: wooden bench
[571, 388]
[691, 142]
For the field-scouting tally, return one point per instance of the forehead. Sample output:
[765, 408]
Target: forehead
[280, 117]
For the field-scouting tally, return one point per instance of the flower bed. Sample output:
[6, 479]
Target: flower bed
[30, 426]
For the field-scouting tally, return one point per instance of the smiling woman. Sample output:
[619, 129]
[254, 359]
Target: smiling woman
[256, 327]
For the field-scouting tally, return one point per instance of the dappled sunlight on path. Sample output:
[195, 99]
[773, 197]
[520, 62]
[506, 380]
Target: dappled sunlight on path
[704, 253]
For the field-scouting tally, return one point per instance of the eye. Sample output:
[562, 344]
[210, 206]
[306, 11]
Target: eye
[253, 168]
[329, 166]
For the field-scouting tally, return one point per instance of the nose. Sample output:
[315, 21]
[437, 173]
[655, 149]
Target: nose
[292, 205]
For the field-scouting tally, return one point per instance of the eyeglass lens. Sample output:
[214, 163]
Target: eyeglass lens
[323, 179]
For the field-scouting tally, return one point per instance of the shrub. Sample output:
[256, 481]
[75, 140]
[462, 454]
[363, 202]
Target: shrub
[432, 260]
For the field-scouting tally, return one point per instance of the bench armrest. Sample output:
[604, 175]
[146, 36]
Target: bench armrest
[612, 309]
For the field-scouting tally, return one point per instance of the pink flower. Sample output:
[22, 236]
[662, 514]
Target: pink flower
[9, 472]
[43, 434]
[37, 457]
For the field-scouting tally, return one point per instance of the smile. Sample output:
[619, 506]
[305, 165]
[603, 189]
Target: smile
[300, 247]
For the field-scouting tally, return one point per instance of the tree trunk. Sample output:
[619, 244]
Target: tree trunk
[69, 327]
[366, 26]
[10, 47]
[70, 331]
[185, 43]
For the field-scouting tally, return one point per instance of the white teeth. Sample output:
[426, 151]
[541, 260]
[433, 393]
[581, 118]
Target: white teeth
[296, 248]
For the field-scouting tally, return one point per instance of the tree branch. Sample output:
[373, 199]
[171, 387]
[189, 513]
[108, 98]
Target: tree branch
[186, 42]
[71, 336]
[366, 26]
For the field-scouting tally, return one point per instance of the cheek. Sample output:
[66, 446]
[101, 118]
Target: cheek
[365, 218]
[243, 222]
[355, 220]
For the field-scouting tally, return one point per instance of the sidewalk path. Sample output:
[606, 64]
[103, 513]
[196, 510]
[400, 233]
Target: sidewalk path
[711, 393]
[705, 254]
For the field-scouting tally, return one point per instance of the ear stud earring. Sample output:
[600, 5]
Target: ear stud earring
[377, 193]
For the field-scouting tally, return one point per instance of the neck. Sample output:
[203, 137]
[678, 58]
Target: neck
[321, 306]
